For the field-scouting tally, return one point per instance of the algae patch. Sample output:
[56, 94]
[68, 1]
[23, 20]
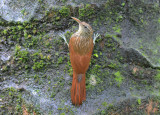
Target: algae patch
[118, 78]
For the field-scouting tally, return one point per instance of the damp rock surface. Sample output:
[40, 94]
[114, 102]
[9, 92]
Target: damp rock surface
[35, 69]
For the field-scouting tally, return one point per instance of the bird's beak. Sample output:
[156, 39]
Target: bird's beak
[77, 20]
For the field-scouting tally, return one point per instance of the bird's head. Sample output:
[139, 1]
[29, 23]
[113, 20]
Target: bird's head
[84, 28]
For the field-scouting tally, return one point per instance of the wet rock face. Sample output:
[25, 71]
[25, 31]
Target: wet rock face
[35, 70]
[144, 35]
[5, 57]
[14, 10]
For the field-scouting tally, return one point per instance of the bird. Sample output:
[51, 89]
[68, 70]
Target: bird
[80, 46]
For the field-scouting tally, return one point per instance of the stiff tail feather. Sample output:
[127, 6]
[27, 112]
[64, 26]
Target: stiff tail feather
[78, 90]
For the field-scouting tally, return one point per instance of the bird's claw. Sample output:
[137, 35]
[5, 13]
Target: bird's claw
[62, 36]
[95, 37]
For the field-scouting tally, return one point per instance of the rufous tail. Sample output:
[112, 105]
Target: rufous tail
[78, 90]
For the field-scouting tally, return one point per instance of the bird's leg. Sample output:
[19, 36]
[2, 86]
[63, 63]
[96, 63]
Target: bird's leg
[62, 36]
[95, 37]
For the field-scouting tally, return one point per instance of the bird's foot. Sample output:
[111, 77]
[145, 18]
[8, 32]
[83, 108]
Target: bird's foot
[62, 36]
[95, 37]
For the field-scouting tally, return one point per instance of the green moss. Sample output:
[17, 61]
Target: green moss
[93, 78]
[33, 42]
[107, 35]
[123, 4]
[29, 36]
[38, 65]
[139, 101]
[40, 1]
[141, 47]
[96, 55]
[4, 32]
[95, 22]
[96, 70]
[158, 40]
[20, 27]
[103, 112]
[18, 108]
[62, 114]
[14, 28]
[58, 18]
[69, 68]
[17, 48]
[48, 57]
[14, 100]
[117, 29]
[140, 10]
[25, 34]
[159, 20]
[23, 11]
[157, 77]
[64, 11]
[86, 11]
[113, 65]
[118, 78]
[104, 104]
[60, 60]
[34, 31]
[119, 18]
[22, 56]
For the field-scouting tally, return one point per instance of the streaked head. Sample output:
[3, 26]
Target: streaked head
[84, 27]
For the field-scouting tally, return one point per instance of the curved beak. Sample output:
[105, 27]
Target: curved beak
[76, 20]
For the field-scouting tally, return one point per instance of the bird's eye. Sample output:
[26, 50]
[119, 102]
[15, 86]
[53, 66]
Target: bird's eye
[85, 26]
